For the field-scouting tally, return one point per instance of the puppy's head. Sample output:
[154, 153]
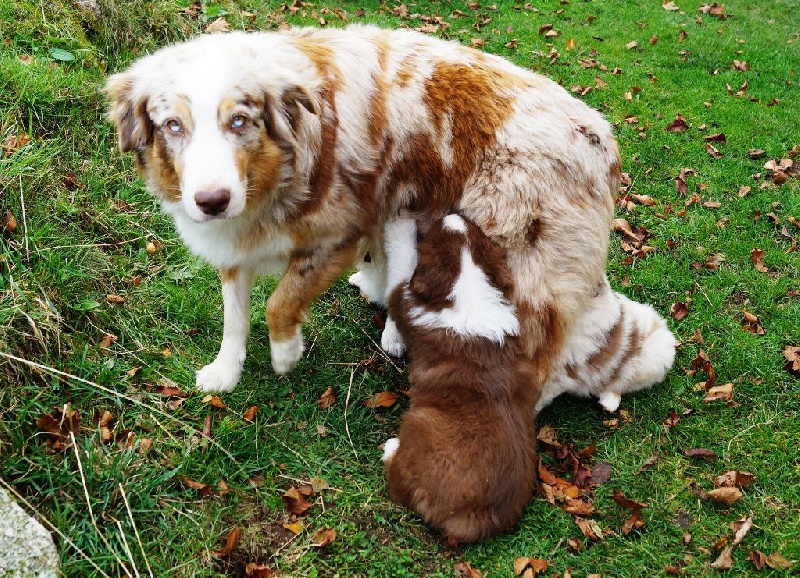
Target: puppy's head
[212, 123]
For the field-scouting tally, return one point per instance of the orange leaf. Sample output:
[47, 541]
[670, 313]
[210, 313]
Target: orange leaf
[230, 543]
[327, 399]
[295, 502]
[382, 399]
[323, 537]
[295, 527]
[214, 401]
[250, 414]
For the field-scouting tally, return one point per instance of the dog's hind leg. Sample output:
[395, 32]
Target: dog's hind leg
[224, 372]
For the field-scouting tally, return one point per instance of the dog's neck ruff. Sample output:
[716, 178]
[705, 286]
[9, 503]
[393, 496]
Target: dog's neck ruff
[479, 309]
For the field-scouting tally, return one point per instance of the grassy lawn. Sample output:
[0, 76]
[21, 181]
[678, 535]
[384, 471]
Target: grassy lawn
[104, 316]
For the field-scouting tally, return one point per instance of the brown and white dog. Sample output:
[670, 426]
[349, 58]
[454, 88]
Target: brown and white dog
[464, 457]
[286, 152]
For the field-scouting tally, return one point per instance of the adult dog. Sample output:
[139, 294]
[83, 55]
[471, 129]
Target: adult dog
[286, 152]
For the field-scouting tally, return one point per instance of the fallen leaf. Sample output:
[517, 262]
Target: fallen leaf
[323, 537]
[633, 522]
[714, 9]
[295, 502]
[756, 153]
[59, 425]
[757, 259]
[223, 489]
[590, 528]
[678, 125]
[529, 567]
[382, 399]
[548, 435]
[648, 463]
[624, 502]
[204, 489]
[631, 45]
[751, 323]
[218, 25]
[108, 340]
[601, 473]
[678, 311]
[759, 559]
[327, 399]
[259, 571]
[712, 150]
[725, 560]
[670, 6]
[716, 137]
[778, 561]
[230, 543]
[700, 453]
[294, 527]
[792, 355]
[114, 299]
[106, 424]
[250, 413]
[214, 401]
[719, 393]
[465, 570]
[740, 65]
[727, 496]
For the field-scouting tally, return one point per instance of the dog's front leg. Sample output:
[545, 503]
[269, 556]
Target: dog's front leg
[309, 274]
[224, 372]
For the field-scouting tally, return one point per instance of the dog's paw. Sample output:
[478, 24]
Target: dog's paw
[390, 448]
[370, 284]
[391, 340]
[609, 400]
[286, 354]
[218, 376]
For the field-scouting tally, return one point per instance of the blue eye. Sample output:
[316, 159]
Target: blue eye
[174, 126]
[238, 121]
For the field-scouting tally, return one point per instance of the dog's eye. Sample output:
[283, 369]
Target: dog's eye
[238, 122]
[174, 126]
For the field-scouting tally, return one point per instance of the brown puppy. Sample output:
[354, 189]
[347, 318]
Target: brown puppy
[464, 458]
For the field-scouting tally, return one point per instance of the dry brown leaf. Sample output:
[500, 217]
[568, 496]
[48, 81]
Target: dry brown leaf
[590, 528]
[778, 561]
[631, 45]
[323, 537]
[719, 393]
[114, 299]
[716, 137]
[624, 502]
[633, 522]
[465, 570]
[759, 559]
[679, 310]
[648, 463]
[259, 571]
[645, 200]
[700, 453]
[529, 567]
[382, 399]
[601, 473]
[250, 413]
[727, 496]
[295, 502]
[219, 25]
[757, 259]
[733, 478]
[751, 323]
[712, 150]
[740, 65]
[214, 401]
[548, 435]
[670, 5]
[327, 399]
[204, 489]
[792, 355]
[108, 340]
[678, 125]
[230, 543]
[725, 560]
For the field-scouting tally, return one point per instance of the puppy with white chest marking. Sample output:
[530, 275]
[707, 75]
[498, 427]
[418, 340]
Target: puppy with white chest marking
[464, 458]
[287, 152]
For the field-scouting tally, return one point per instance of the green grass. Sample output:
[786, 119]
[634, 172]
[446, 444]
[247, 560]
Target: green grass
[84, 223]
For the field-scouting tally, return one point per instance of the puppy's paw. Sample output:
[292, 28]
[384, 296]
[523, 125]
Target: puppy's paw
[390, 448]
[286, 354]
[609, 400]
[220, 375]
[391, 340]
[370, 284]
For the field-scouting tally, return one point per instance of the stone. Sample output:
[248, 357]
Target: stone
[26, 547]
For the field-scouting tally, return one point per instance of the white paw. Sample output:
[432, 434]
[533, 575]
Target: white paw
[391, 340]
[371, 284]
[286, 354]
[609, 400]
[390, 448]
[220, 375]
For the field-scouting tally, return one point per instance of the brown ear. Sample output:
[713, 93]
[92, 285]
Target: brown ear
[490, 257]
[438, 266]
[129, 115]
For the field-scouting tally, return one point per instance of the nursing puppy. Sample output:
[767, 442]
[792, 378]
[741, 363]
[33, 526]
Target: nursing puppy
[464, 458]
[287, 152]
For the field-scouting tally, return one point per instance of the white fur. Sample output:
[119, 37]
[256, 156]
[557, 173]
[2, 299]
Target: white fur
[479, 309]
[390, 448]
[456, 223]
[224, 372]
[286, 354]
[400, 238]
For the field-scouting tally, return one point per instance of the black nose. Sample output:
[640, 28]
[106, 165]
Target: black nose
[213, 202]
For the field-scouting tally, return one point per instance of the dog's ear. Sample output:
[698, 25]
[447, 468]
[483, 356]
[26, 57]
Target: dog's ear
[438, 266]
[492, 259]
[287, 111]
[128, 113]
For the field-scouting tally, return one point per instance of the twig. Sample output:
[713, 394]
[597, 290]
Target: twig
[89, 504]
[346, 406]
[135, 531]
[94, 245]
[127, 548]
[24, 219]
[52, 527]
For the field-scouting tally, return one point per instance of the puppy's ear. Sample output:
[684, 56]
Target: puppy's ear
[282, 118]
[129, 113]
[438, 266]
[490, 257]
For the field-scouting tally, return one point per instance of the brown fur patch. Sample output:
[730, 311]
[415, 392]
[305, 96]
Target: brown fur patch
[610, 348]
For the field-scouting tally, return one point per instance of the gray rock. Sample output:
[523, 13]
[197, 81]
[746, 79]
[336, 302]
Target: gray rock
[26, 547]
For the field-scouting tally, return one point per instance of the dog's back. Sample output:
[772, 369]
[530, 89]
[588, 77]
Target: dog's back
[465, 459]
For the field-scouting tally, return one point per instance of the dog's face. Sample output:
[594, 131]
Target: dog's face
[208, 138]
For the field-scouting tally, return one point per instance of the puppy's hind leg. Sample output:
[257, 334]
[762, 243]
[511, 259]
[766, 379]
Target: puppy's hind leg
[224, 372]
